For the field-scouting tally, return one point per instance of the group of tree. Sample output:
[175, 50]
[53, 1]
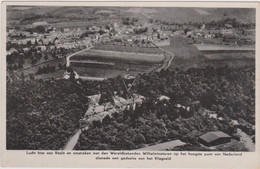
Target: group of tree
[231, 21]
[129, 21]
[46, 69]
[43, 114]
[227, 91]
[215, 24]
[33, 55]
[140, 30]
[37, 29]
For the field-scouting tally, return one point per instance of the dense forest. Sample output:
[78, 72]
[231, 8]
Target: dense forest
[227, 91]
[44, 114]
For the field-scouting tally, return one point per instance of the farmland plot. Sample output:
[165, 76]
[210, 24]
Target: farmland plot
[107, 64]
[92, 71]
[212, 47]
[230, 55]
[224, 52]
[114, 55]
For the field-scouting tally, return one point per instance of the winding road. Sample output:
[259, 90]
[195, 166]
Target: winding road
[68, 57]
[146, 14]
[171, 54]
[169, 61]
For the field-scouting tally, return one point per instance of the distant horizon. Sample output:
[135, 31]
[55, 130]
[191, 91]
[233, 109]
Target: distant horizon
[176, 14]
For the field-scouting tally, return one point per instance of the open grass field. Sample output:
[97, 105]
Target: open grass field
[107, 61]
[226, 52]
[187, 55]
[115, 55]
[111, 72]
[184, 64]
[134, 49]
[183, 48]
[150, 10]
[236, 63]
[117, 60]
[200, 40]
[98, 72]
[213, 47]
[134, 10]
[230, 55]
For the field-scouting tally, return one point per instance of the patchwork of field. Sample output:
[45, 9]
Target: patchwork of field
[70, 17]
[105, 55]
[88, 15]
[184, 15]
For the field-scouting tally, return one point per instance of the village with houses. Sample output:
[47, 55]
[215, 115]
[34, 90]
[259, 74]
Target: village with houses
[41, 42]
[166, 82]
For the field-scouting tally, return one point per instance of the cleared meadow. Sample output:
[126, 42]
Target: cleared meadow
[230, 55]
[187, 54]
[118, 55]
[111, 72]
[117, 60]
[212, 47]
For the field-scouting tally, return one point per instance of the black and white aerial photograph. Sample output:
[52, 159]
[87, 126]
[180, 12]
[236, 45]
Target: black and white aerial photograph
[130, 78]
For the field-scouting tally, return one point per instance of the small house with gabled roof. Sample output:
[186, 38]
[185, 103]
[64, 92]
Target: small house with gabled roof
[214, 138]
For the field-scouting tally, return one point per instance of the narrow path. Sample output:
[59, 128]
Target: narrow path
[246, 139]
[72, 141]
[163, 66]
[171, 54]
[169, 61]
[68, 57]
[145, 14]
